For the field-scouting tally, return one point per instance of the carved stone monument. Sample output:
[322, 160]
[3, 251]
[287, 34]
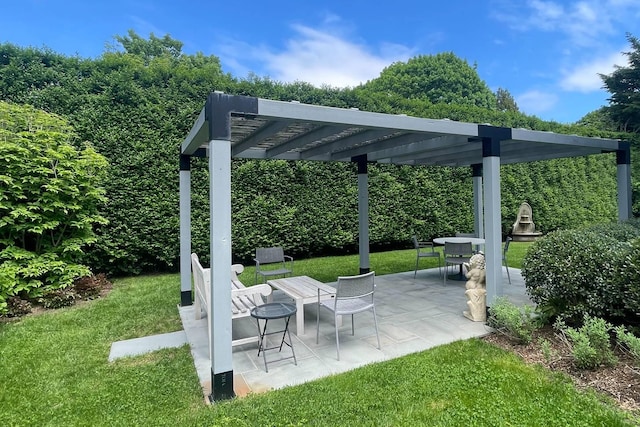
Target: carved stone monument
[524, 230]
[476, 289]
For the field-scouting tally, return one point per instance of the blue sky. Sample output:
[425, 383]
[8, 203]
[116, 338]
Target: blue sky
[546, 53]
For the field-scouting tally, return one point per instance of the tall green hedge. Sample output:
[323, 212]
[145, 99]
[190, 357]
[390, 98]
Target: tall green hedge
[137, 103]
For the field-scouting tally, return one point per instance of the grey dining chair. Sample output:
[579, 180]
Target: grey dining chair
[354, 294]
[425, 250]
[465, 235]
[272, 262]
[456, 254]
[477, 248]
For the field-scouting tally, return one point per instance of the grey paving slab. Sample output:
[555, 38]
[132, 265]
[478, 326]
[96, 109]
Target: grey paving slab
[413, 315]
[138, 346]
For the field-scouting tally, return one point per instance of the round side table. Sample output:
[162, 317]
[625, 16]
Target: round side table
[272, 311]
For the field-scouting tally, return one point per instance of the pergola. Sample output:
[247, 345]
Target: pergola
[232, 126]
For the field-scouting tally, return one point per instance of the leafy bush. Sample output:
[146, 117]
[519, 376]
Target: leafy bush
[48, 205]
[17, 307]
[572, 272]
[516, 323]
[621, 231]
[627, 282]
[58, 298]
[590, 344]
[630, 342]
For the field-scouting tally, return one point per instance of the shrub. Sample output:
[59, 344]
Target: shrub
[621, 231]
[590, 344]
[48, 205]
[626, 281]
[516, 323]
[17, 307]
[572, 272]
[629, 342]
[58, 298]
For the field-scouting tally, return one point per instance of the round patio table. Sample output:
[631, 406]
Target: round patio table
[475, 241]
[272, 311]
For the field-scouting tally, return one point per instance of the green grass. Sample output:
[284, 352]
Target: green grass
[55, 372]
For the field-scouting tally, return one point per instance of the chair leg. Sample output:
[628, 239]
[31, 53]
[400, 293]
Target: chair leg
[353, 326]
[508, 275]
[446, 273]
[416, 269]
[335, 322]
[317, 321]
[439, 269]
[375, 322]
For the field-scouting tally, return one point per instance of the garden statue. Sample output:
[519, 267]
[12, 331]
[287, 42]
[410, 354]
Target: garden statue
[524, 230]
[476, 289]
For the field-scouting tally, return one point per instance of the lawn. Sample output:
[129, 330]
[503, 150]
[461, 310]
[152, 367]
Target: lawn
[55, 372]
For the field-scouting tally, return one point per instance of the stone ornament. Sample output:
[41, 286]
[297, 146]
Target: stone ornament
[524, 230]
[476, 292]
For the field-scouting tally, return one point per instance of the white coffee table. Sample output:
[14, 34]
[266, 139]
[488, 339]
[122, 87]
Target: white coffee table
[303, 290]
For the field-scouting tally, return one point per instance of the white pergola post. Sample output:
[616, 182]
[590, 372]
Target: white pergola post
[185, 230]
[491, 138]
[219, 310]
[363, 213]
[478, 211]
[623, 160]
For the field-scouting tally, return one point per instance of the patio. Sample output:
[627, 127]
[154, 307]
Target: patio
[413, 315]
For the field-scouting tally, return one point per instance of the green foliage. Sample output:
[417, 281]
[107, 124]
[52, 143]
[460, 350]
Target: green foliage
[627, 281]
[49, 201]
[624, 86]
[571, 272]
[441, 78]
[547, 350]
[598, 119]
[590, 343]
[138, 100]
[516, 323]
[58, 298]
[630, 342]
[505, 101]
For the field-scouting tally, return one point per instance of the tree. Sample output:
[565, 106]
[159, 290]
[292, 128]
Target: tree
[599, 119]
[441, 78]
[152, 48]
[49, 202]
[624, 86]
[505, 102]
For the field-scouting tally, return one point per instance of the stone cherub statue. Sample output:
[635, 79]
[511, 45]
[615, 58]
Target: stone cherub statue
[476, 289]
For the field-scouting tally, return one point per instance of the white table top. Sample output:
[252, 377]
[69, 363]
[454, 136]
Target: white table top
[452, 239]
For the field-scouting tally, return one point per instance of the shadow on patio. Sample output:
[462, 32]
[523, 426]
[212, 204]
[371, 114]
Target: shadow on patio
[413, 315]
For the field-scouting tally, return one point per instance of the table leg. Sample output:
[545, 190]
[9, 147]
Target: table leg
[286, 331]
[299, 317]
[261, 348]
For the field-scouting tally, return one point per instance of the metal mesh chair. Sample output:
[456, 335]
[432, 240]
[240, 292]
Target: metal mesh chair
[272, 262]
[456, 254]
[425, 250]
[354, 294]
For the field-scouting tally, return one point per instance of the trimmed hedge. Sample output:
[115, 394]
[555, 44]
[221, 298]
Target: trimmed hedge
[137, 106]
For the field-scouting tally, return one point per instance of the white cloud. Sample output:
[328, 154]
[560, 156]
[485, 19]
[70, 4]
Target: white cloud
[585, 77]
[536, 101]
[583, 22]
[318, 57]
